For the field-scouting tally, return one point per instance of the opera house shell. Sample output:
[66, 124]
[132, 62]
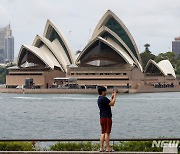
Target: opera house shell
[47, 58]
[110, 58]
[164, 68]
[47, 51]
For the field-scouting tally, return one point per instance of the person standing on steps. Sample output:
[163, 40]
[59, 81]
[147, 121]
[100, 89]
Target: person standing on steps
[105, 105]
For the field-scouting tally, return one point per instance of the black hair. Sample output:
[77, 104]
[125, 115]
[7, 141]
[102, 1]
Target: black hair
[101, 89]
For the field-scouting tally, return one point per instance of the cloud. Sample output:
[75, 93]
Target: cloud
[154, 22]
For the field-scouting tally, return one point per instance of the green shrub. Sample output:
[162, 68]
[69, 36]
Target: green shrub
[74, 146]
[16, 146]
[145, 146]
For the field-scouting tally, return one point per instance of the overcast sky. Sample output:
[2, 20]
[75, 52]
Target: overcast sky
[156, 22]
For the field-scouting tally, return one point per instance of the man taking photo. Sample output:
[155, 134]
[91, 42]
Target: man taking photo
[104, 105]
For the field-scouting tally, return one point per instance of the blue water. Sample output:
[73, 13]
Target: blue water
[77, 116]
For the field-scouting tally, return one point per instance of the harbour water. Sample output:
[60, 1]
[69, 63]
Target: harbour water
[77, 115]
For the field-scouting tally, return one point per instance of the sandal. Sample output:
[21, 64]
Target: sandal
[110, 150]
[101, 150]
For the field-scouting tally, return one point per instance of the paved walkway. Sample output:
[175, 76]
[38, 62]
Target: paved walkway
[73, 152]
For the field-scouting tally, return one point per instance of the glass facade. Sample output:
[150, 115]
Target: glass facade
[101, 55]
[119, 30]
[9, 49]
[176, 47]
[52, 35]
[108, 35]
[152, 70]
[1, 56]
[6, 45]
[29, 60]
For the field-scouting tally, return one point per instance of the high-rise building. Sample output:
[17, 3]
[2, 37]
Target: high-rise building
[176, 46]
[9, 49]
[1, 55]
[6, 45]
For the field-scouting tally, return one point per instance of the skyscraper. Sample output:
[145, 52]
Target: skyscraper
[176, 46]
[9, 49]
[6, 45]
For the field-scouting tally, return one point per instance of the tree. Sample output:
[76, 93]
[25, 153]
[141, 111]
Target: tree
[178, 66]
[3, 73]
[146, 55]
[147, 47]
[172, 58]
[167, 56]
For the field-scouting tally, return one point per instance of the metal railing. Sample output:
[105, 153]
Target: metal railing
[90, 140]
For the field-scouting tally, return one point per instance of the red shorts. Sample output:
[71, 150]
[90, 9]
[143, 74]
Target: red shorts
[106, 124]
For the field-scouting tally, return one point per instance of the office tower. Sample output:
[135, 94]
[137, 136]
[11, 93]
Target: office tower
[176, 46]
[6, 45]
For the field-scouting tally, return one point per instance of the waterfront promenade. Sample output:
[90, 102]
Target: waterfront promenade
[142, 89]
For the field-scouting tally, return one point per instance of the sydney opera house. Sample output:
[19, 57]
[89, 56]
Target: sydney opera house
[111, 58]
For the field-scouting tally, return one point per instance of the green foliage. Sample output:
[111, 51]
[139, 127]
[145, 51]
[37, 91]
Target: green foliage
[10, 65]
[177, 67]
[168, 55]
[145, 56]
[145, 146]
[3, 73]
[172, 58]
[16, 146]
[74, 146]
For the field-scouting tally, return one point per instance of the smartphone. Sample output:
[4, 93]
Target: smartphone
[115, 90]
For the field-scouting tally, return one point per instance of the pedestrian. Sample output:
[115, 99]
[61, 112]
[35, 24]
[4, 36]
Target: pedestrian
[105, 105]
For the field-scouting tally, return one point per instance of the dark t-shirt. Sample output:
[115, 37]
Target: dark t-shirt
[104, 107]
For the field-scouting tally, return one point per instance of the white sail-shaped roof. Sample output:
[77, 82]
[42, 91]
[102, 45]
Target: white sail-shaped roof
[111, 21]
[42, 54]
[57, 39]
[113, 33]
[167, 67]
[51, 46]
[113, 45]
[107, 33]
[164, 66]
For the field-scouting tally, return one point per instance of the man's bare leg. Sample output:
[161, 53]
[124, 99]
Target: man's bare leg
[107, 141]
[102, 138]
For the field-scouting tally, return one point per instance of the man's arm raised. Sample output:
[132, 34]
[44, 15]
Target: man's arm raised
[113, 100]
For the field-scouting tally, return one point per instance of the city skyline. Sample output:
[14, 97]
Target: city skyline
[156, 23]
